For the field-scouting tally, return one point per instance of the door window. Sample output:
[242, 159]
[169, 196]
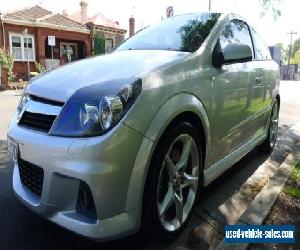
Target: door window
[236, 31]
[109, 45]
[69, 51]
[261, 50]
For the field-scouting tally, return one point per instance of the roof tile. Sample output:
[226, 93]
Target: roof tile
[98, 19]
[59, 19]
[40, 15]
[28, 14]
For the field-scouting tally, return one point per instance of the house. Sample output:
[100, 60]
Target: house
[25, 33]
[100, 26]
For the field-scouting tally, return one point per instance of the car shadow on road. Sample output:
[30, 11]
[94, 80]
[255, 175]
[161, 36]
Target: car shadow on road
[22, 229]
[233, 181]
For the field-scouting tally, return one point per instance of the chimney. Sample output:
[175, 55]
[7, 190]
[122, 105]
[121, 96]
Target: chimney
[131, 26]
[83, 4]
[170, 11]
[65, 12]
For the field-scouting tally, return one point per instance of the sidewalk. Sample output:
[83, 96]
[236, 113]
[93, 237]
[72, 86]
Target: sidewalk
[8, 93]
[252, 200]
[257, 212]
[9, 100]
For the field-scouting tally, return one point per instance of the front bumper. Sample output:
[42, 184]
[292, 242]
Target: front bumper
[104, 163]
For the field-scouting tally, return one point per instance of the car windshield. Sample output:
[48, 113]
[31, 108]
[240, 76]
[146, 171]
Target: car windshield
[179, 33]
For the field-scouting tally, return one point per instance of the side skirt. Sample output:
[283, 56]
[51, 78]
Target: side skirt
[221, 166]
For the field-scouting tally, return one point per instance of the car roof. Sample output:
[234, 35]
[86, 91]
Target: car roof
[224, 15]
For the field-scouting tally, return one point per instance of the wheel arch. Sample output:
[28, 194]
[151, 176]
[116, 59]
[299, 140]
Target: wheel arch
[190, 108]
[194, 120]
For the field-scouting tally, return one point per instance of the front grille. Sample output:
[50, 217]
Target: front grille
[37, 121]
[31, 176]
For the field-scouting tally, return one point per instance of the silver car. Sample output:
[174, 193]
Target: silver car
[121, 142]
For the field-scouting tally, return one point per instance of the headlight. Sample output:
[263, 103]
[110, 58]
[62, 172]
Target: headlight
[110, 111]
[95, 109]
[23, 100]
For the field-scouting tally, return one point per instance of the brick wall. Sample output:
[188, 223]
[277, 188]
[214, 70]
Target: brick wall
[1, 36]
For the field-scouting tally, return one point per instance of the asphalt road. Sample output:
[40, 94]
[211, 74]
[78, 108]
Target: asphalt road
[22, 229]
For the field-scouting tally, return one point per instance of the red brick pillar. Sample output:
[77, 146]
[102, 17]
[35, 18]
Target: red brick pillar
[1, 36]
[40, 47]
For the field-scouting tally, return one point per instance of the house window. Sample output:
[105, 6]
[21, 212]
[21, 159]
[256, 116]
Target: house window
[28, 48]
[109, 45]
[22, 47]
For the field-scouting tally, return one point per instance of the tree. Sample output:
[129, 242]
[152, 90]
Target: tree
[295, 52]
[296, 58]
[195, 31]
[7, 63]
[99, 45]
[284, 53]
[271, 6]
[295, 47]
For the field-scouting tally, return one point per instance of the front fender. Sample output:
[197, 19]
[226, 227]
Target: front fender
[183, 102]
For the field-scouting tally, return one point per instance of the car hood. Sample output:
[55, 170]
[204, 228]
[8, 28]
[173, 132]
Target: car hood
[61, 83]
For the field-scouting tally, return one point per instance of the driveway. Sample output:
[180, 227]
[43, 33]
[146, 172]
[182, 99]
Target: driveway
[22, 229]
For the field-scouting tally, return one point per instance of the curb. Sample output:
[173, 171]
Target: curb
[260, 207]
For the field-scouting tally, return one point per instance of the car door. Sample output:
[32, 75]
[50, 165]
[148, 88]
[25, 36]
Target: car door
[233, 85]
[262, 90]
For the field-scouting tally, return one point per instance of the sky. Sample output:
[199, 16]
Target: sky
[149, 12]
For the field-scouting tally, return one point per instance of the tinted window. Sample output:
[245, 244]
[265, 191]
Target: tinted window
[182, 33]
[236, 31]
[261, 50]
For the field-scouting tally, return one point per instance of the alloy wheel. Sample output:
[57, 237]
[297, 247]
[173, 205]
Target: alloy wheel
[178, 182]
[274, 125]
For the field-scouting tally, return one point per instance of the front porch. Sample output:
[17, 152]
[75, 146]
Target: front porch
[69, 47]
[63, 52]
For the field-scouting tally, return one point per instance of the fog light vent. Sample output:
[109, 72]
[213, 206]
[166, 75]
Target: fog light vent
[85, 202]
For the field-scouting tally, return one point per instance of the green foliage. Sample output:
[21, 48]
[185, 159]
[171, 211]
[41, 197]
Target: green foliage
[284, 53]
[296, 47]
[296, 58]
[99, 45]
[39, 67]
[295, 52]
[271, 6]
[294, 190]
[194, 33]
[7, 63]
[295, 175]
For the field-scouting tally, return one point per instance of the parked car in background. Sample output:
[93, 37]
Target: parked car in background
[117, 143]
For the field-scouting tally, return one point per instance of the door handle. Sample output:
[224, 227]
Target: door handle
[258, 80]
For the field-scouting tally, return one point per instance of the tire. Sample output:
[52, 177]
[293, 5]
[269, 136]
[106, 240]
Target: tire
[166, 197]
[268, 145]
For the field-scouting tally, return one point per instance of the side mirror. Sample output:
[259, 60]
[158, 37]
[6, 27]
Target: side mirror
[232, 53]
